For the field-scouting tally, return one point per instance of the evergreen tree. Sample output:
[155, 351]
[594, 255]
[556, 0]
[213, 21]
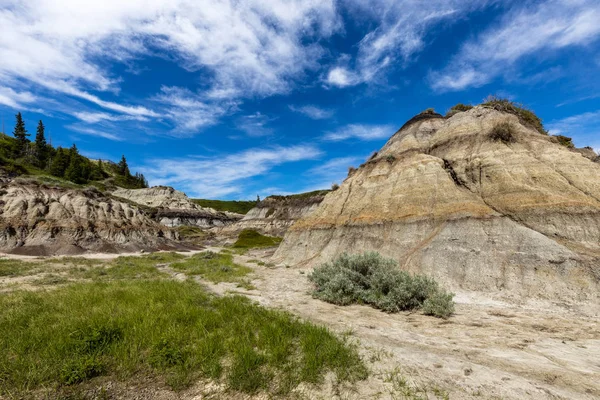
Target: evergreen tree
[60, 162]
[41, 147]
[20, 134]
[123, 167]
[76, 171]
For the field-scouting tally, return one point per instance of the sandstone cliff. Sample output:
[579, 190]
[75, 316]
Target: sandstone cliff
[174, 208]
[449, 197]
[40, 220]
[275, 214]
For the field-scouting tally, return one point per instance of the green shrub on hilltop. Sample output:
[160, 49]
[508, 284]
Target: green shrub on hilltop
[372, 279]
[526, 116]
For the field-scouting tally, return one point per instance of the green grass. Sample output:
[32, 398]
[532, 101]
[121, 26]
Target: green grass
[214, 267]
[251, 239]
[193, 233]
[162, 330]
[10, 267]
[525, 115]
[236, 206]
[128, 268]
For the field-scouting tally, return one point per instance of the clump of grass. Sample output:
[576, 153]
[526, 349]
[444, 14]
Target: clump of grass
[460, 107]
[564, 141]
[214, 267]
[503, 132]
[173, 331]
[251, 239]
[50, 280]
[372, 279]
[526, 116]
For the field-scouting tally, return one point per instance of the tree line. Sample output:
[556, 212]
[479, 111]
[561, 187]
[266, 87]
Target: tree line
[66, 163]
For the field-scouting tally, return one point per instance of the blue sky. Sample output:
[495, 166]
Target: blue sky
[230, 99]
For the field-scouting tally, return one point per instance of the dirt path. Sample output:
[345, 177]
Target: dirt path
[488, 350]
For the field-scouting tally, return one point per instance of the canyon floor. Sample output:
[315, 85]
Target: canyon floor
[490, 349]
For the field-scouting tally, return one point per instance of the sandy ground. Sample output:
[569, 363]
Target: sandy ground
[489, 349]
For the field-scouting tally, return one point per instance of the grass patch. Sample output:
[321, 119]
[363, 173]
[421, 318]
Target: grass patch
[525, 115]
[503, 132]
[251, 239]
[564, 141]
[50, 280]
[128, 268]
[236, 206]
[10, 267]
[371, 279]
[171, 330]
[213, 267]
[193, 233]
[301, 196]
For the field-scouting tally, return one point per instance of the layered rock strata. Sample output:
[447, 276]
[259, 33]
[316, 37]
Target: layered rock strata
[446, 197]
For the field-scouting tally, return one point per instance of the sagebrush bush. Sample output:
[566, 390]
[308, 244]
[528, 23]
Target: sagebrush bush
[372, 279]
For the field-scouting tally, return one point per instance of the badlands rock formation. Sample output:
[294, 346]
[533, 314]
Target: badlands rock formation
[174, 208]
[40, 220]
[275, 214]
[519, 217]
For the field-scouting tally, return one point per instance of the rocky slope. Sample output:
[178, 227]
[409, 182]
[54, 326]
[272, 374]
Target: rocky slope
[275, 214]
[174, 208]
[515, 214]
[40, 220]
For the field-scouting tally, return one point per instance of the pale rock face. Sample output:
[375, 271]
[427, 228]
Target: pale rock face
[274, 215]
[42, 220]
[444, 199]
[176, 209]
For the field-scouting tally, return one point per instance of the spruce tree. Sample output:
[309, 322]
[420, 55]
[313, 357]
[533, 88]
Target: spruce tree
[20, 134]
[59, 163]
[41, 147]
[123, 167]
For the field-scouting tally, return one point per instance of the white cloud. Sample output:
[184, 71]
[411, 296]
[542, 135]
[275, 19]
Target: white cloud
[95, 132]
[95, 117]
[240, 49]
[545, 26]
[583, 128]
[189, 111]
[313, 112]
[16, 100]
[332, 171]
[361, 132]
[223, 175]
[255, 125]
[401, 28]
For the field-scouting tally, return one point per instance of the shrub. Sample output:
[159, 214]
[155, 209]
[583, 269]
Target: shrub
[503, 132]
[439, 305]
[334, 186]
[526, 116]
[460, 107]
[564, 141]
[390, 158]
[372, 279]
[351, 170]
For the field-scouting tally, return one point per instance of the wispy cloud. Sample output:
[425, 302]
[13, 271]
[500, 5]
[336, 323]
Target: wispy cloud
[313, 112]
[584, 128]
[399, 34]
[95, 132]
[547, 25]
[255, 125]
[241, 50]
[360, 131]
[223, 175]
[14, 99]
[332, 171]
